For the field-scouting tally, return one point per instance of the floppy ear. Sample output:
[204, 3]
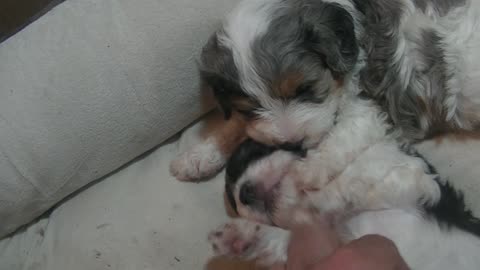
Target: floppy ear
[218, 72]
[329, 31]
[231, 197]
[220, 90]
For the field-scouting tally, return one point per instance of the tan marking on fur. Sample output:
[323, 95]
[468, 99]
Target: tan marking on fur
[286, 86]
[339, 84]
[440, 128]
[458, 135]
[228, 207]
[228, 134]
[438, 125]
[255, 130]
[243, 103]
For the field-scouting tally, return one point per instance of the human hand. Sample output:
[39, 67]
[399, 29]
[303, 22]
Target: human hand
[317, 247]
[310, 243]
[370, 252]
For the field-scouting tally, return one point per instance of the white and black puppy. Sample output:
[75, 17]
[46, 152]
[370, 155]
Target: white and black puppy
[277, 67]
[438, 234]
[362, 178]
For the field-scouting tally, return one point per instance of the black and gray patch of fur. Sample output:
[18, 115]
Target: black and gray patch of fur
[311, 38]
[307, 37]
[219, 73]
[442, 7]
[422, 97]
[450, 210]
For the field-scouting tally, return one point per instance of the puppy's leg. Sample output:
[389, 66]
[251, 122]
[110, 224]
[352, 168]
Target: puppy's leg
[363, 188]
[244, 239]
[217, 138]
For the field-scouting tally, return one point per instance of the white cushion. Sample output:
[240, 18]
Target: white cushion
[88, 87]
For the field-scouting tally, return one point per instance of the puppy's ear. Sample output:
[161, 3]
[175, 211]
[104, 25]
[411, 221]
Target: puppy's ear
[221, 91]
[218, 72]
[225, 107]
[328, 30]
[230, 203]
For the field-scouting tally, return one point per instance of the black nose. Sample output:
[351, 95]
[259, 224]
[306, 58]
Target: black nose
[247, 194]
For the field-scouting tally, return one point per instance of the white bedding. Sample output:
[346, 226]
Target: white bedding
[142, 218]
[88, 87]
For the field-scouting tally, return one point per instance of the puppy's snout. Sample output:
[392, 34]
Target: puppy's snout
[247, 194]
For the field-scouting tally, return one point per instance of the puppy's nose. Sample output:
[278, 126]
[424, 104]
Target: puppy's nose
[247, 194]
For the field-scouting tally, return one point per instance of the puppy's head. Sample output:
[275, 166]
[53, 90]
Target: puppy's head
[281, 64]
[258, 182]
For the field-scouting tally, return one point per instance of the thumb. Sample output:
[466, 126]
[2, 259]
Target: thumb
[310, 243]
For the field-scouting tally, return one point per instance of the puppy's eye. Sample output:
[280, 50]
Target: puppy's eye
[303, 89]
[249, 114]
[306, 93]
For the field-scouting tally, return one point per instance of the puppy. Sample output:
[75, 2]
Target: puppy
[279, 66]
[362, 178]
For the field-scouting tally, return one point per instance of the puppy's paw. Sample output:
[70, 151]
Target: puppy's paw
[236, 239]
[202, 161]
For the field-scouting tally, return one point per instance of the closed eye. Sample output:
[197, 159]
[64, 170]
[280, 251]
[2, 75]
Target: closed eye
[306, 93]
[303, 89]
[248, 114]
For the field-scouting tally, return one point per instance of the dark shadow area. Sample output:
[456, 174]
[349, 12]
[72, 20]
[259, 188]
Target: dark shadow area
[17, 14]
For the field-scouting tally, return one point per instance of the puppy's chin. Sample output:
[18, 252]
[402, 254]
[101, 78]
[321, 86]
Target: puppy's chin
[246, 213]
[267, 132]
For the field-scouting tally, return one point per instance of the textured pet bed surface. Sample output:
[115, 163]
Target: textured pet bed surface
[89, 86]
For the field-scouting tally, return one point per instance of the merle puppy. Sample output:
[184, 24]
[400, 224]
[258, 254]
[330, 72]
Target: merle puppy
[278, 69]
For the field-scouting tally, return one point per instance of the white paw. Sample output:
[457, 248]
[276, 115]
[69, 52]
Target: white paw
[236, 238]
[202, 161]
